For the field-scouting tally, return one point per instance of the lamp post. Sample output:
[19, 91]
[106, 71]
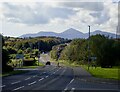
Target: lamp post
[89, 48]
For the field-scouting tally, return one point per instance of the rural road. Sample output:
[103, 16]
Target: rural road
[53, 78]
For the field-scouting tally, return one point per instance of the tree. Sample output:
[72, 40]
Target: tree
[103, 48]
[5, 60]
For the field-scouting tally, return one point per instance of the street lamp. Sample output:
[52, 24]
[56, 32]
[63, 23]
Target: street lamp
[89, 47]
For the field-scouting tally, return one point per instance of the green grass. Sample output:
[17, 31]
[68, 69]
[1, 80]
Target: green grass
[109, 73]
[12, 73]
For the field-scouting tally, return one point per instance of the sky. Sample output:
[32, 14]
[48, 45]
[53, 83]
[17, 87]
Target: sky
[32, 16]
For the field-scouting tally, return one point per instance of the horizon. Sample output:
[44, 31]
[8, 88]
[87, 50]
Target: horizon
[26, 17]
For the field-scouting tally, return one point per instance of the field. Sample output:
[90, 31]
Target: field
[109, 73]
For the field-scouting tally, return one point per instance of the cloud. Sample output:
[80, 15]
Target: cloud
[92, 6]
[38, 15]
[59, 16]
[100, 17]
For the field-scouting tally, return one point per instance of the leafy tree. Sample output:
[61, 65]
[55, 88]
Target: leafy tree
[103, 48]
[5, 60]
[11, 50]
[20, 51]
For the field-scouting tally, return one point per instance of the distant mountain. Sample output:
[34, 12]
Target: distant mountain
[69, 33]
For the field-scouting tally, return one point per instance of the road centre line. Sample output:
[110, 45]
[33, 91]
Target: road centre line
[69, 84]
[34, 76]
[18, 88]
[32, 83]
[44, 72]
[28, 78]
[41, 79]
[46, 76]
[15, 82]
[71, 81]
[72, 90]
[64, 89]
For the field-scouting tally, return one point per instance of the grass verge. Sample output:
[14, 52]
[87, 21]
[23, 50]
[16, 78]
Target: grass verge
[12, 73]
[109, 73]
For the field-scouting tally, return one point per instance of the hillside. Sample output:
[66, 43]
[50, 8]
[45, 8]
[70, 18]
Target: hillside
[69, 34]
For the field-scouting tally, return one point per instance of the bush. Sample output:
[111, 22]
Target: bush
[29, 62]
[12, 56]
[5, 60]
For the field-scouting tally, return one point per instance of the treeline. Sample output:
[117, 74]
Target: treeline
[44, 44]
[29, 47]
[103, 51]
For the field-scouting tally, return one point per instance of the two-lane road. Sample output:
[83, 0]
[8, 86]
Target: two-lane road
[49, 78]
[53, 78]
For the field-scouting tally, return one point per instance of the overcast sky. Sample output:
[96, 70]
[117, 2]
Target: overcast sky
[18, 18]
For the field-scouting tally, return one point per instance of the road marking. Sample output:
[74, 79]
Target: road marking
[32, 83]
[65, 89]
[41, 79]
[34, 76]
[44, 72]
[46, 76]
[72, 90]
[2, 86]
[18, 88]
[28, 78]
[71, 81]
[15, 82]
[68, 85]
[54, 72]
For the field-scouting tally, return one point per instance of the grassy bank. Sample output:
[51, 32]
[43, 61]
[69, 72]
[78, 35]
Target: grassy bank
[109, 73]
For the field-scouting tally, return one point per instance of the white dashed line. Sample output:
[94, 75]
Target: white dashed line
[18, 88]
[44, 72]
[65, 89]
[41, 79]
[34, 76]
[32, 83]
[15, 82]
[68, 85]
[46, 76]
[2, 86]
[72, 90]
[28, 78]
[71, 81]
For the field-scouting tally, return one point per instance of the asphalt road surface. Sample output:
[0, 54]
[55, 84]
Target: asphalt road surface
[53, 78]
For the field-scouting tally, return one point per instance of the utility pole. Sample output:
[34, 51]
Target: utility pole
[89, 48]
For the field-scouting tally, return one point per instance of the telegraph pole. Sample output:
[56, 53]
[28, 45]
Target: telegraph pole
[89, 48]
